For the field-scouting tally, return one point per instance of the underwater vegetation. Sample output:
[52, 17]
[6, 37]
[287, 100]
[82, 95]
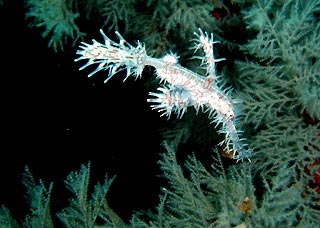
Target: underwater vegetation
[272, 63]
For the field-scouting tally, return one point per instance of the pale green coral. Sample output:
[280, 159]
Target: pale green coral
[6, 219]
[279, 85]
[308, 91]
[157, 22]
[280, 90]
[194, 196]
[57, 19]
[85, 209]
[285, 77]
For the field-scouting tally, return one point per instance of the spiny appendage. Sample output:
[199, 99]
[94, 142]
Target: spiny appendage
[113, 56]
[206, 43]
[172, 98]
[222, 113]
[233, 144]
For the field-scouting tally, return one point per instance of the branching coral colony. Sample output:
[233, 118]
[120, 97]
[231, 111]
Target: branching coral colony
[181, 88]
